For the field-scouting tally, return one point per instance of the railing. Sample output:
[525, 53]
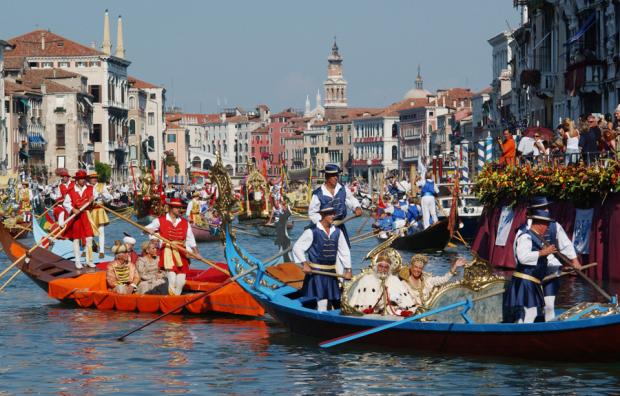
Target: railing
[558, 158]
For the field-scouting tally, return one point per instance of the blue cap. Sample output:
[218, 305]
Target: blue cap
[332, 169]
[539, 202]
[540, 214]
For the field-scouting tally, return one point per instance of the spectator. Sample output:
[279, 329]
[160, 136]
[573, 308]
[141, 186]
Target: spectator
[588, 142]
[509, 149]
[571, 135]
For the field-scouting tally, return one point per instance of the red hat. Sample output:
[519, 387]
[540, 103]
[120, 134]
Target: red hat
[63, 173]
[81, 174]
[175, 203]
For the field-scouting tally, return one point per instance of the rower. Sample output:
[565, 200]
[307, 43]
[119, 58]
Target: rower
[65, 182]
[80, 228]
[25, 201]
[98, 213]
[175, 229]
[323, 248]
[429, 192]
[193, 209]
[335, 194]
[535, 244]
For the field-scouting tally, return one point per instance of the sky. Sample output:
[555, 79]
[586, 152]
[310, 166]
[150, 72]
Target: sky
[274, 52]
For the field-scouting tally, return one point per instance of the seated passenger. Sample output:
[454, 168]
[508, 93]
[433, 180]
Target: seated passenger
[413, 215]
[385, 224]
[152, 280]
[381, 292]
[121, 276]
[131, 243]
[421, 284]
[398, 216]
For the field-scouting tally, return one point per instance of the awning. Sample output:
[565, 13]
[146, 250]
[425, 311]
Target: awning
[584, 28]
[36, 138]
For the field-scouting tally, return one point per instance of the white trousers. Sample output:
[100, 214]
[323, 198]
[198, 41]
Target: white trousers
[429, 210]
[78, 254]
[549, 308]
[101, 239]
[530, 315]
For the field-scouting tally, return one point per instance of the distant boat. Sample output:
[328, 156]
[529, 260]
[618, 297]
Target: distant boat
[469, 210]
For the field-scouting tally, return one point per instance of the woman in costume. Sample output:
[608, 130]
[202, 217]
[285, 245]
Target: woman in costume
[420, 283]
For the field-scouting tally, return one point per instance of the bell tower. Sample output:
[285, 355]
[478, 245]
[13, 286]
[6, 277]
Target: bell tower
[335, 85]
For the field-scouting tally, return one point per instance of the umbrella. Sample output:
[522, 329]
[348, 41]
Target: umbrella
[545, 133]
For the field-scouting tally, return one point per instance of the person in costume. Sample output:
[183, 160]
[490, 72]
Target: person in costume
[177, 230]
[193, 209]
[536, 245]
[130, 242]
[324, 248]
[384, 223]
[335, 194]
[399, 217]
[429, 192]
[65, 184]
[413, 216]
[80, 229]
[121, 275]
[382, 292]
[25, 201]
[98, 213]
[152, 279]
[420, 283]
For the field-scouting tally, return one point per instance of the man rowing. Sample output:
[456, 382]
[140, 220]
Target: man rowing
[323, 248]
[80, 229]
[333, 193]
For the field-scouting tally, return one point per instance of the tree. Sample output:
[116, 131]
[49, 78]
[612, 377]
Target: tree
[104, 171]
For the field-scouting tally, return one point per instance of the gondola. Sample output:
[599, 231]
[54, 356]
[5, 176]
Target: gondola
[87, 288]
[205, 234]
[435, 237]
[269, 230]
[586, 332]
[123, 208]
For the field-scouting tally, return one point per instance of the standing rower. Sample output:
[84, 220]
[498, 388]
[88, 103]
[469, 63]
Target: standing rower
[323, 248]
[177, 230]
[80, 229]
[98, 213]
[429, 192]
[336, 195]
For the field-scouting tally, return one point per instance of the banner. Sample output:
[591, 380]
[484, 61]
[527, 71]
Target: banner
[504, 225]
[581, 230]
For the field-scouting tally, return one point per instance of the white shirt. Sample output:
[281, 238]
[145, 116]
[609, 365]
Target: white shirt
[343, 259]
[315, 205]
[67, 204]
[104, 195]
[421, 183]
[526, 145]
[190, 241]
[525, 255]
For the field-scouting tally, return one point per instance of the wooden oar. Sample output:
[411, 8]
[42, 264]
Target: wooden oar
[364, 333]
[346, 219]
[204, 294]
[56, 235]
[564, 273]
[173, 244]
[5, 284]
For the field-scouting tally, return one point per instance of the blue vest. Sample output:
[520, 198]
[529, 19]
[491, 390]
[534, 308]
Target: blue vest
[412, 212]
[429, 188]
[386, 224]
[324, 249]
[539, 270]
[398, 214]
[339, 202]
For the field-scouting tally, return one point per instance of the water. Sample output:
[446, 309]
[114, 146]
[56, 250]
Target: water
[48, 348]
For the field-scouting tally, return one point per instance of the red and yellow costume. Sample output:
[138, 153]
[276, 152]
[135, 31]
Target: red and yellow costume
[80, 227]
[169, 258]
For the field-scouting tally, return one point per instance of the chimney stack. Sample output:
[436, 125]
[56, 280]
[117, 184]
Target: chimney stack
[120, 49]
[43, 40]
[106, 45]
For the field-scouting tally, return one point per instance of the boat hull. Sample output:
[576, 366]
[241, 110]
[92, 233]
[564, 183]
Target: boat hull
[270, 230]
[435, 237]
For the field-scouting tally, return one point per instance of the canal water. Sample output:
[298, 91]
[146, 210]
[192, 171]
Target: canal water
[48, 348]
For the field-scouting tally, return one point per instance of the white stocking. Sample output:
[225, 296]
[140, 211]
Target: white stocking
[89, 251]
[171, 283]
[321, 305]
[76, 253]
[530, 315]
[101, 239]
[549, 308]
[179, 283]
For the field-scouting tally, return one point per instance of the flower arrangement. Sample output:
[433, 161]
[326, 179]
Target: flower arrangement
[581, 184]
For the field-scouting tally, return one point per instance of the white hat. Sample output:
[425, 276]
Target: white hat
[129, 240]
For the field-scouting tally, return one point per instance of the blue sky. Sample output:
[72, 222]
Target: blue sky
[275, 52]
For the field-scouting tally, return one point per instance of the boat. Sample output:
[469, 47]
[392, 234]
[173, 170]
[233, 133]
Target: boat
[205, 234]
[269, 229]
[299, 189]
[435, 237]
[87, 288]
[255, 207]
[587, 332]
[122, 208]
[469, 211]
[17, 228]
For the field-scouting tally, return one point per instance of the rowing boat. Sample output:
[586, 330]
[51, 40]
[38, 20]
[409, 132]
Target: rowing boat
[87, 288]
[435, 237]
[204, 234]
[269, 229]
[587, 332]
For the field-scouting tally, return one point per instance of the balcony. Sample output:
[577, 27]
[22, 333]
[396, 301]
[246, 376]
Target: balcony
[373, 139]
[585, 76]
[363, 162]
[547, 85]
[113, 103]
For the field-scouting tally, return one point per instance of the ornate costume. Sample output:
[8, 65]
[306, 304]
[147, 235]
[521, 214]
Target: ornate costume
[152, 280]
[80, 229]
[98, 214]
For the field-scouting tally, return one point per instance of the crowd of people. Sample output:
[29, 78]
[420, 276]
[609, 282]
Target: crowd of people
[586, 139]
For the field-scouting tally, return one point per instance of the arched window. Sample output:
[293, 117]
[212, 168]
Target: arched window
[132, 127]
[132, 103]
[206, 165]
[196, 162]
[394, 153]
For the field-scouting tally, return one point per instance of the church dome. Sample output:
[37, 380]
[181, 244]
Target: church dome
[417, 93]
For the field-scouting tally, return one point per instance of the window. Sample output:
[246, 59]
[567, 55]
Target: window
[111, 132]
[132, 103]
[151, 118]
[47, 65]
[152, 96]
[132, 127]
[96, 136]
[171, 138]
[60, 101]
[60, 135]
[132, 152]
[394, 153]
[95, 90]
[60, 161]
[80, 64]
[151, 144]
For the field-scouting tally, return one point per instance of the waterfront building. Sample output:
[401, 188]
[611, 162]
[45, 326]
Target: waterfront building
[278, 132]
[500, 110]
[4, 135]
[294, 143]
[176, 143]
[316, 153]
[481, 116]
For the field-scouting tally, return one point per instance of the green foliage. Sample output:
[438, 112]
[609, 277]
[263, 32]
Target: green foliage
[104, 172]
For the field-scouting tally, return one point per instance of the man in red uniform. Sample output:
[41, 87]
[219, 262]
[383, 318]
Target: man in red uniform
[175, 229]
[80, 229]
[65, 183]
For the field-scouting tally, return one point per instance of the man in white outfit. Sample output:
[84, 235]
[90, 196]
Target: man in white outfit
[429, 192]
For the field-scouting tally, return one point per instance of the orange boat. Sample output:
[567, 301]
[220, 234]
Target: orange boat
[87, 288]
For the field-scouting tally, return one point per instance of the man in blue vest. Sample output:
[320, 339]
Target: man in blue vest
[334, 194]
[323, 248]
[536, 244]
[429, 192]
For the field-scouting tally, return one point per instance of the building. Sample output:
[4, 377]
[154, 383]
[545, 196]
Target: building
[139, 150]
[500, 112]
[481, 115]
[335, 86]
[565, 60]
[4, 135]
[316, 145]
[107, 84]
[278, 131]
[176, 143]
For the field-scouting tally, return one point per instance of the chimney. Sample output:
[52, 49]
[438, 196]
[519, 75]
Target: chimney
[120, 49]
[106, 45]
[42, 40]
